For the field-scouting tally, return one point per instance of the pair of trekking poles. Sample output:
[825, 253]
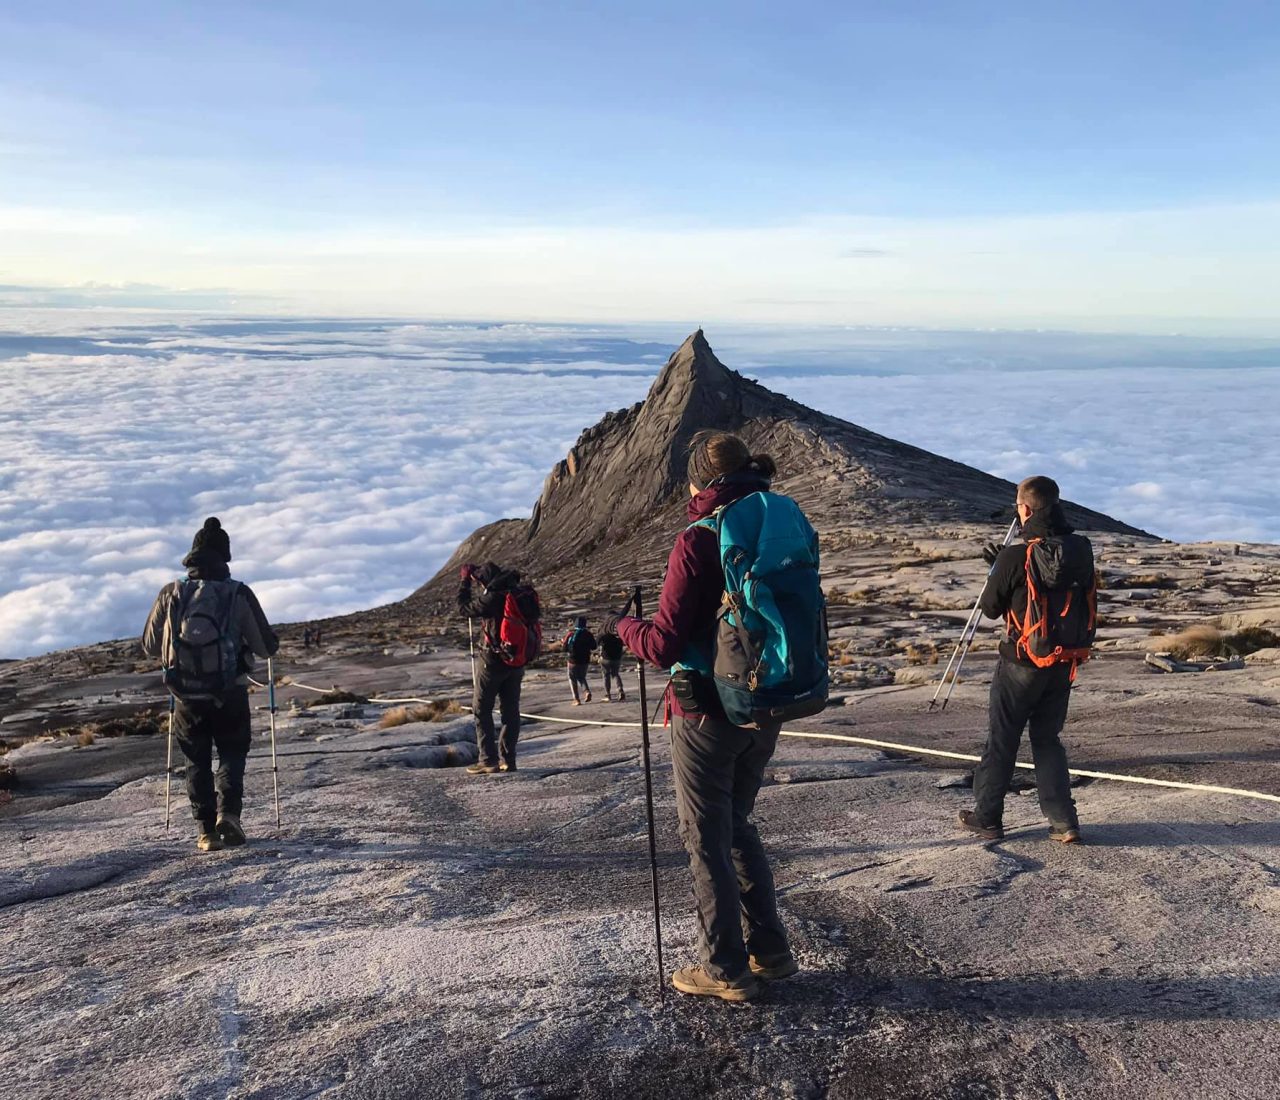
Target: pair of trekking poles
[961, 651]
[636, 603]
[275, 770]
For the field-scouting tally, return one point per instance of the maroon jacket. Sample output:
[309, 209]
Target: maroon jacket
[693, 587]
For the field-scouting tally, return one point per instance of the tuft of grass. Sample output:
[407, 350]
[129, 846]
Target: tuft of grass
[86, 738]
[437, 711]
[337, 696]
[926, 654]
[1206, 640]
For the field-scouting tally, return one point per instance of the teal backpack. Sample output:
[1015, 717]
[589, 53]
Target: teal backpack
[769, 662]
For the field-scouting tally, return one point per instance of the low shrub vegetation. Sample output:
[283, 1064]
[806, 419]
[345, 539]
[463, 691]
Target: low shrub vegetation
[1205, 640]
[437, 711]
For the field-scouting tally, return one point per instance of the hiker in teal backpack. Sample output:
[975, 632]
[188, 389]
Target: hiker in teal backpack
[741, 620]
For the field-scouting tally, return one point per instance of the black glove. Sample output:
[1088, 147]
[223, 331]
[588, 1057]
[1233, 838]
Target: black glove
[990, 552]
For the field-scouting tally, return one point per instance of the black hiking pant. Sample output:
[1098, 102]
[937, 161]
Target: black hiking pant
[1021, 696]
[613, 671]
[578, 678]
[718, 770]
[498, 683]
[200, 726]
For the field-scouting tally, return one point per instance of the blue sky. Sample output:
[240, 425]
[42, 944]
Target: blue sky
[1082, 165]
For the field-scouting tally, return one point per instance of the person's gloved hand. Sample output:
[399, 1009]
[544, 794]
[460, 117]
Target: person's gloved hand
[990, 552]
[466, 573]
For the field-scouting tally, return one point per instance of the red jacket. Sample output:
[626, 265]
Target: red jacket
[692, 590]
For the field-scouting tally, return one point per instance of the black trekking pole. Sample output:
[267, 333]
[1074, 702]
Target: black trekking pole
[168, 765]
[648, 799]
[271, 707]
[967, 636]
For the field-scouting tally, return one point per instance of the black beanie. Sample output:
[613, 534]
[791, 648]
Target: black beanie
[212, 538]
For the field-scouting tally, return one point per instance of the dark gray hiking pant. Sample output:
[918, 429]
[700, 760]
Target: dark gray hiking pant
[200, 726]
[1023, 695]
[718, 769]
[578, 679]
[500, 683]
[613, 671]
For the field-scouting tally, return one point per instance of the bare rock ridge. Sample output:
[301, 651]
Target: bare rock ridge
[624, 478]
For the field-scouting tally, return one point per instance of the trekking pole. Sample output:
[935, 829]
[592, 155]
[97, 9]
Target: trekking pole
[271, 709]
[648, 800]
[471, 645]
[168, 766]
[967, 636]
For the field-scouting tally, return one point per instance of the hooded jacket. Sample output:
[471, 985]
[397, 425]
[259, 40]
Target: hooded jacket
[256, 636]
[1006, 587]
[691, 591]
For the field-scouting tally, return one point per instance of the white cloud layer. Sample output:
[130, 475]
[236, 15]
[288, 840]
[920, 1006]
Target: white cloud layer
[347, 459]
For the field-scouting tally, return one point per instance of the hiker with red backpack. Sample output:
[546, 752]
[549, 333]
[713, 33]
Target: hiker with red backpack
[741, 622]
[511, 638]
[206, 630]
[1046, 591]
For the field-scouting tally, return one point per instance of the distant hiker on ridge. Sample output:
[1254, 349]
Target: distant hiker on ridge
[579, 644]
[1046, 591]
[611, 650]
[511, 638]
[718, 765]
[206, 630]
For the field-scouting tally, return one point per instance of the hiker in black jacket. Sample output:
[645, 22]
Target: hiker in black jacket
[611, 650]
[579, 644]
[1022, 693]
[496, 681]
[221, 721]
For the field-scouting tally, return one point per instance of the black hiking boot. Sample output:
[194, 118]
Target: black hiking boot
[482, 769]
[230, 830]
[507, 767]
[969, 820]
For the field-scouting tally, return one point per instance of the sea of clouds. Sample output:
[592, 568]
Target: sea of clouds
[348, 458]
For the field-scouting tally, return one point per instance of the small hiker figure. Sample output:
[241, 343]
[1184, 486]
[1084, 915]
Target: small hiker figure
[306, 638]
[315, 637]
[579, 644]
[718, 761]
[1046, 591]
[611, 650]
[206, 630]
[511, 638]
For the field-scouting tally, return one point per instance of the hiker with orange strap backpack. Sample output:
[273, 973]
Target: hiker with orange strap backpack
[1046, 590]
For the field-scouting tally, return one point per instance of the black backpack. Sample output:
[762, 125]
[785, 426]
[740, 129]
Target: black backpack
[203, 661]
[1060, 623]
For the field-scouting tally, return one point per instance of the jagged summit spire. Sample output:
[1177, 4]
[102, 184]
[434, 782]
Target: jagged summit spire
[622, 484]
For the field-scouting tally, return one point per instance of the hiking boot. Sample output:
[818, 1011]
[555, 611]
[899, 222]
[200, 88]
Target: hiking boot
[577, 702]
[209, 840]
[622, 697]
[507, 767]
[1065, 834]
[482, 769]
[608, 698]
[230, 830]
[588, 698]
[969, 820]
[695, 980]
[773, 967]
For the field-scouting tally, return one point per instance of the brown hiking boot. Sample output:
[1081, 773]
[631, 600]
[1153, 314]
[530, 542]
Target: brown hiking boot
[209, 841]
[773, 967]
[482, 769]
[1066, 834]
[969, 820]
[695, 980]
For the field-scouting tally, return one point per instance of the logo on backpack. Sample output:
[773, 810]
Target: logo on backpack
[769, 662]
[204, 643]
[520, 629]
[1061, 620]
